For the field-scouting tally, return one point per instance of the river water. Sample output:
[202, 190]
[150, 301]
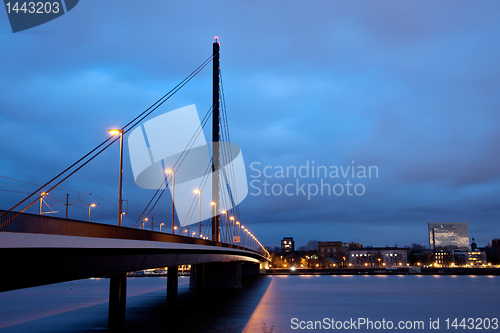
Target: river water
[358, 303]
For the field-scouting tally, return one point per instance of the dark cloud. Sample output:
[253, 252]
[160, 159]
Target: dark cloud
[411, 88]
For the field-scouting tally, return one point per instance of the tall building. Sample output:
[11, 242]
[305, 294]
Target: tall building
[287, 244]
[449, 236]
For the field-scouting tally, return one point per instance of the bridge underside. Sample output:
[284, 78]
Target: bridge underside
[35, 261]
[31, 267]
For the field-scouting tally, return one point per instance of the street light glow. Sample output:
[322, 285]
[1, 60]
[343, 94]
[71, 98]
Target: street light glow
[115, 131]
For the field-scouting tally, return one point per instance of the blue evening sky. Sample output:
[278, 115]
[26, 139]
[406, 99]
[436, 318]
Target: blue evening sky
[411, 87]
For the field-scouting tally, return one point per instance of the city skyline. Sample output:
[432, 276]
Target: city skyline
[408, 88]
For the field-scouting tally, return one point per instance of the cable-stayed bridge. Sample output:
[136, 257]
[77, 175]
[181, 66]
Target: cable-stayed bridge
[61, 249]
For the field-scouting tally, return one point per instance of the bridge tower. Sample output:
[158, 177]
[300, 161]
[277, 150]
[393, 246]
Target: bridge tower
[216, 138]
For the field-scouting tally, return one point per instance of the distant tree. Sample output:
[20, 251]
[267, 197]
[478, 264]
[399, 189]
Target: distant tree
[417, 247]
[312, 245]
[303, 248]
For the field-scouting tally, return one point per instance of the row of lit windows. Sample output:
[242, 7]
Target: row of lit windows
[328, 250]
[364, 254]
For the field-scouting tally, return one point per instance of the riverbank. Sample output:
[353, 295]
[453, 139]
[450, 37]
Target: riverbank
[387, 271]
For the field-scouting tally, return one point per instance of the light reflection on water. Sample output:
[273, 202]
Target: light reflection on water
[395, 298]
[274, 300]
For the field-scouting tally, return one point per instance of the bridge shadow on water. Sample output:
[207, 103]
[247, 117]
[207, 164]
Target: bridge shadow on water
[215, 311]
[52, 309]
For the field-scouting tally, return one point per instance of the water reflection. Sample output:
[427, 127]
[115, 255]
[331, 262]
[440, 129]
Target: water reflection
[273, 300]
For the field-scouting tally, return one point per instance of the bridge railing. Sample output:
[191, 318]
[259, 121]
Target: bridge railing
[40, 224]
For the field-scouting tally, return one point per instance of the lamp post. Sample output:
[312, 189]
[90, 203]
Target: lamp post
[213, 203]
[242, 235]
[41, 199]
[90, 205]
[238, 225]
[231, 233]
[143, 221]
[167, 171]
[161, 225]
[225, 221]
[120, 132]
[199, 204]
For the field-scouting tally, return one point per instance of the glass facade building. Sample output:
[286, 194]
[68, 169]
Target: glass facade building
[449, 236]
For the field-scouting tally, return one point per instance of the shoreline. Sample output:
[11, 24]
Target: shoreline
[384, 271]
[365, 271]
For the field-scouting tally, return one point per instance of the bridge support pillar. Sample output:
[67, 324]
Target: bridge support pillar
[117, 301]
[172, 286]
[215, 275]
[250, 268]
[196, 278]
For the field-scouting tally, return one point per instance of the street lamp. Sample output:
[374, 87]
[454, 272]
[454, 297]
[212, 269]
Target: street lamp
[144, 221]
[232, 238]
[90, 205]
[114, 132]
[225, 221]
[199, 204]
[41, 198]
[161, 225]
[215, 214]
[167, 171]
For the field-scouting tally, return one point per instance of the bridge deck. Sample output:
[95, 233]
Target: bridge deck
[38, 250]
